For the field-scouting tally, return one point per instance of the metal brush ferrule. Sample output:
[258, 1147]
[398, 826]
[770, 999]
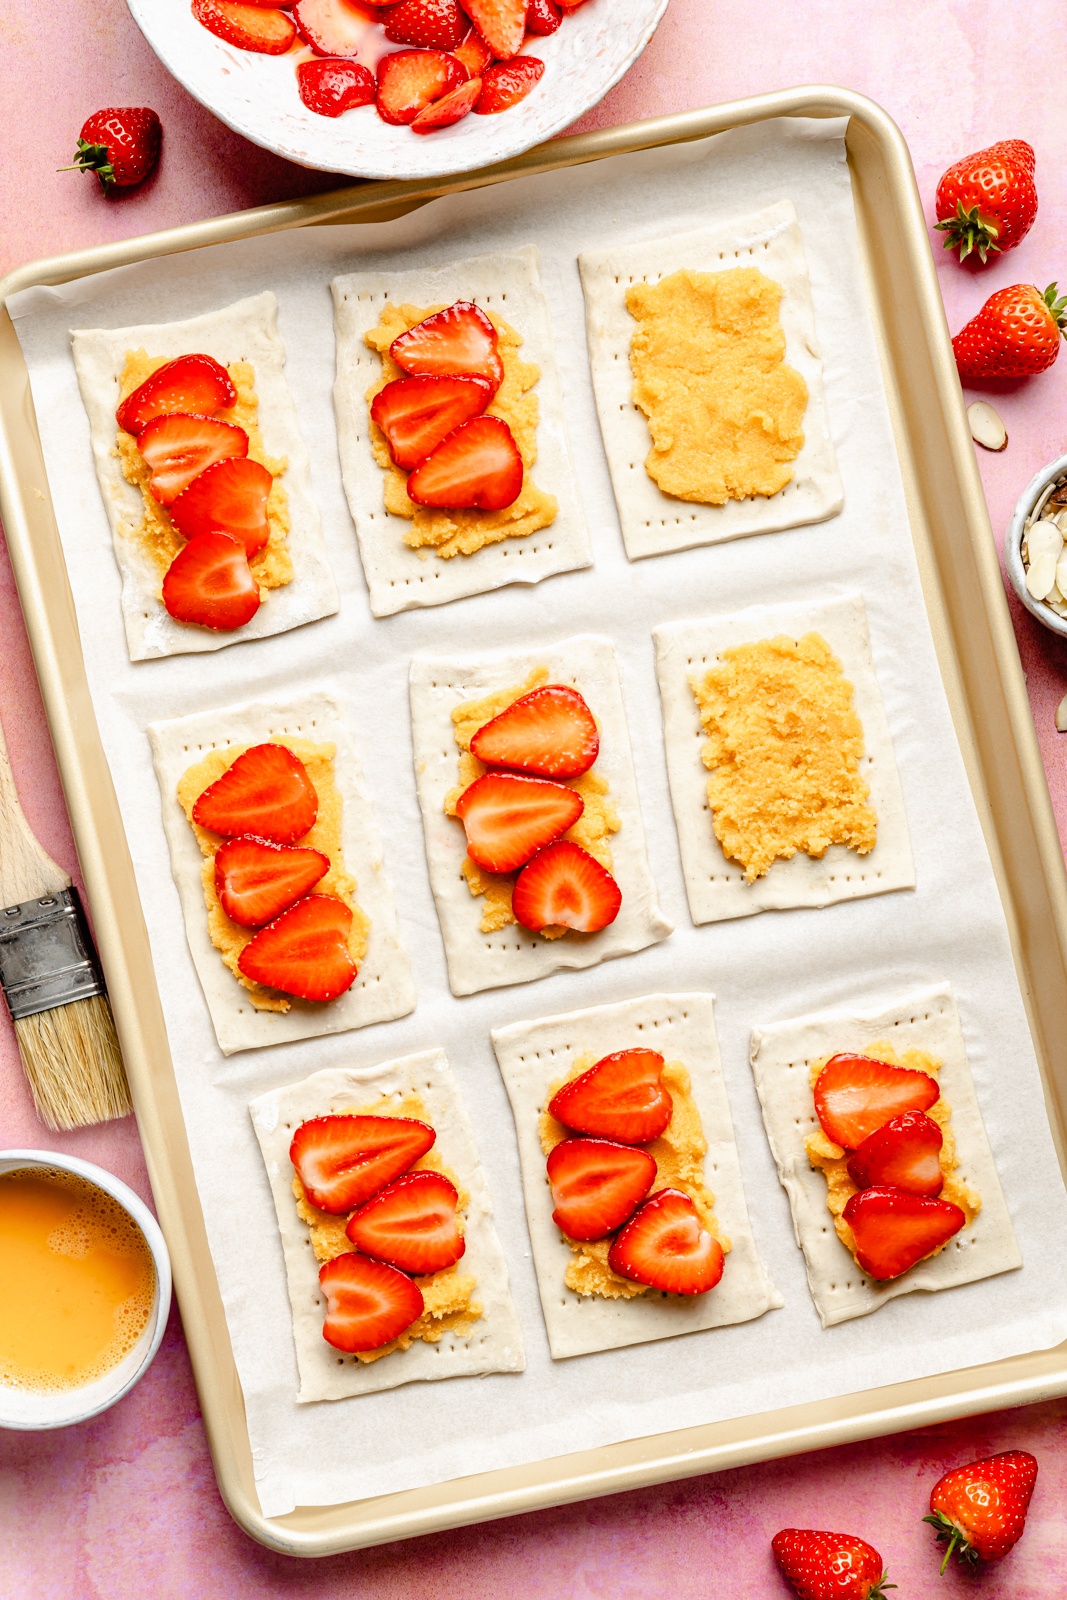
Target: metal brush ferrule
[46, 954]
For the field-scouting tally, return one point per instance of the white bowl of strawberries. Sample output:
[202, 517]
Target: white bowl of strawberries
[412, 89]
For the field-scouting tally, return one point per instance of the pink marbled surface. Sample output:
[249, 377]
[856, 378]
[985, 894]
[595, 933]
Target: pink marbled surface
[126, 1506]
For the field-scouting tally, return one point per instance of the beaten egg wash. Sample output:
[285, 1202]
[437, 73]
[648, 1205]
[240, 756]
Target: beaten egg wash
[77, 1280]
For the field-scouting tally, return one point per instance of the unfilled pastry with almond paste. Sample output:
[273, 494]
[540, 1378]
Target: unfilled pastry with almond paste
[449, 532]
[592, 831]
[784, 750]
[227, 936]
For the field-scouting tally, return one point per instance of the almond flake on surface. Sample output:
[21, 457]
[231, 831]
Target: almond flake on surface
[986, 427]
[1061, 716]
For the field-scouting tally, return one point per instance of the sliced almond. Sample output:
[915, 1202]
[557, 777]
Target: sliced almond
[1044, 539]
[1061, 715]
[986, 426]
[1041, 575]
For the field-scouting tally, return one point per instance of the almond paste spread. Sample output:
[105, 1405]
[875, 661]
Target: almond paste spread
[594, 827]
[228, 937]
[784, 749]
[447, 1303]
[679, 1156]
[708, 359]
[450, 532]
[832, 1161]
[272, 566]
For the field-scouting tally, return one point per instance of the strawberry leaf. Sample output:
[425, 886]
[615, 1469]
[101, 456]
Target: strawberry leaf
[94, 158]
[957, 1541]
[1058, 308]
[968, 231]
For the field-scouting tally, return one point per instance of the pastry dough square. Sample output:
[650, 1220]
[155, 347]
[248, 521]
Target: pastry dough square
[782, 1057]
[398, 577]
[495, 1345]
[384, 989]
[653, 522]
[715, 886]
[532, 1056]
[479, 960]
[246, 331]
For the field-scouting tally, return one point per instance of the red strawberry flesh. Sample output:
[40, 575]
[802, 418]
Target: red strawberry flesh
[178, 447]
[542, 17]
[829, 1566]
[249, 27]
[619, 1098]
[193, 383]
[596, 1184]
[415, 414]
[304, 952]
[432, 24]
[458, 342]
[408, 81]
[1016, 334]
[256, 879]
[987, 202]
[330, 86]
[451, 108]
[666, 1246]
[550, 732]
[120, 144]
[904, 1153]
[411, 1223]
[474, 53]
[508, 818]
[564, 887]
[980, 1509]
[337, 28]
[368, 1304]
[505, 83]
[855, 1095]
[343, 1161]
[210, 584]
[894, 1230]
[230, 497]
[477, 467]
[265, 791]
[501, 23]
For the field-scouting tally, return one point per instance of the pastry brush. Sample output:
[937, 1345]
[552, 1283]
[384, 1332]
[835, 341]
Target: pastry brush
[52, 981]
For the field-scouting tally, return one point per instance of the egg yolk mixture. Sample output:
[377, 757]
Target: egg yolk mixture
[228, 937]
[784, 749]
[832, 1161]
[272, 566]
[679, 1156]
[448, 1305]
[708, 360]
[444, 531]
[592, 831]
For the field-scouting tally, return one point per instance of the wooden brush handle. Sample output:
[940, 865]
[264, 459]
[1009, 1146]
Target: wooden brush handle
[25, 870]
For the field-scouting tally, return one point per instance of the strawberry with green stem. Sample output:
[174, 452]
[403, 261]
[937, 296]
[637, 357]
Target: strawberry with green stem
[1016, 334]
[980, 1509]
[986, 202]
[120, 144]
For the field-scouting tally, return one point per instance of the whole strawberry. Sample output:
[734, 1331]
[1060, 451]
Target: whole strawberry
[1016, 333]
[987, 202]
[120, 144]
[980, 1509]
[829, 1566]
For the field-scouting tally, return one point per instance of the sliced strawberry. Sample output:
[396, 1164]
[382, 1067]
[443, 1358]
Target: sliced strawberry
[542, 17]
[342, 1161]
[249, 27]
[501, 23]
[478, 465]
[410, 79]
[474, 53]
[893, 1230]
[230, 497]
[256, 879]
[564, 887]
[550, 731]
[194, 383]
[331, 86]
[334, 27]
[368, 1304]
[620, 1098]
[266, 791]
[507, 819]
[210, 583]
[433, 24]
[415, 414]
[450, 108]
[904, 1153]
[179, 446]
[505, 83]
[304, 952]
[458, 342]
[666, 1246]
[596, 1185]
[411, 1223]
[855, 1095]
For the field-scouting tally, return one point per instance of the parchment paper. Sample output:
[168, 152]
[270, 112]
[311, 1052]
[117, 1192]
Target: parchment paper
[854, 956]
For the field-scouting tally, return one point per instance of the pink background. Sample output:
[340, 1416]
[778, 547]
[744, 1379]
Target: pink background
[127, 1506]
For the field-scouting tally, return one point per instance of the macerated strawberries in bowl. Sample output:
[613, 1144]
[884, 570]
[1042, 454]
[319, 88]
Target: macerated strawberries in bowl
[413, 89]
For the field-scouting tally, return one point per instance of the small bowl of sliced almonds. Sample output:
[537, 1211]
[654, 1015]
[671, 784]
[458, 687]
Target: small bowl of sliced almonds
[1036, 547]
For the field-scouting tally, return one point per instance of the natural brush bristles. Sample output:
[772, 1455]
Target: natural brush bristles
[74, 1065]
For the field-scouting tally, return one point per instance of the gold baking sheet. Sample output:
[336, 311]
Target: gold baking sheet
[987, 695]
